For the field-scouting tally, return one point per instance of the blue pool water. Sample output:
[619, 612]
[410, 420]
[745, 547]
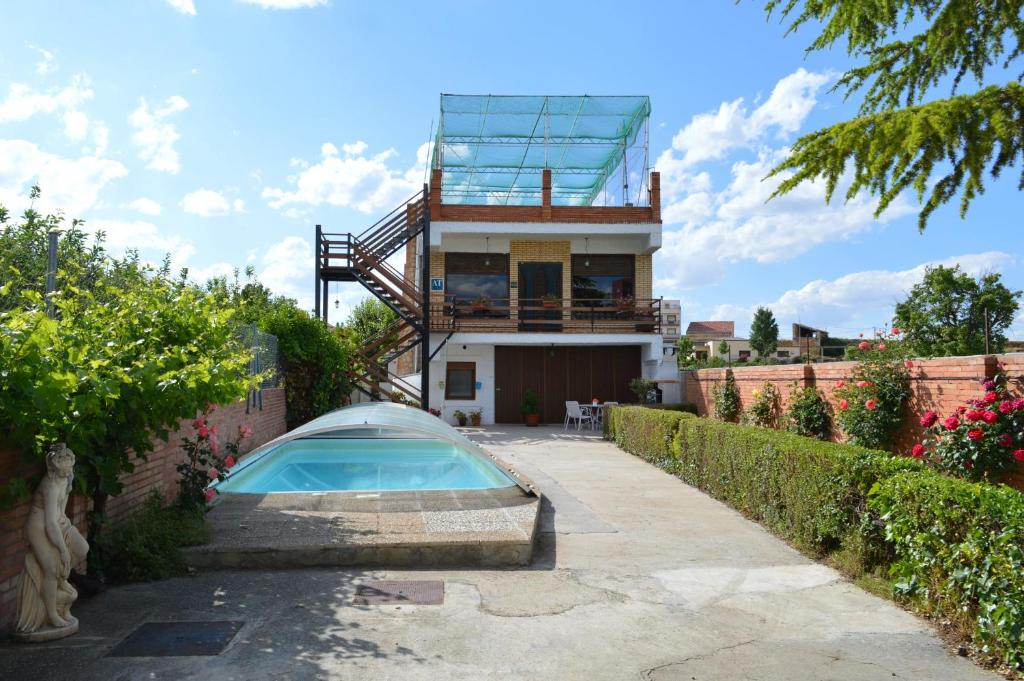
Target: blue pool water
[370, 464]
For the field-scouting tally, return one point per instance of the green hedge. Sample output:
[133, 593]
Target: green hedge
[953, 549]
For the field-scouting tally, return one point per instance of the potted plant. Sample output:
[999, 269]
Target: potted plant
[481, 304]
[550, 300]
[625, 303]
[460, 416]
[475, 416]
[531, 407]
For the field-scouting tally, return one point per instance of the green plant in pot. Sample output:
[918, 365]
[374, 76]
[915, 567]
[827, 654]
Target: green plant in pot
[550, 300]
[461, 417]
[531, 407]
[475, 416]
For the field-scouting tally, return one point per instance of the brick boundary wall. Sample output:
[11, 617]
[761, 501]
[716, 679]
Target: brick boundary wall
[156, 474]
[940, 385]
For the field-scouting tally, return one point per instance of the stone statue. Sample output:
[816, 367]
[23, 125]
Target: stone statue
[54, 546]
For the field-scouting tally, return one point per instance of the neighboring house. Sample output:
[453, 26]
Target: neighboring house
[534, 278]
[707, 335]
[671, 311]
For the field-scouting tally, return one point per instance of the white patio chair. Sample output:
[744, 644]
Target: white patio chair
[581, 415]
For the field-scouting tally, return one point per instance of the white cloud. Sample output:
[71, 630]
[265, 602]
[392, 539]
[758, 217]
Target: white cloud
[145, 237]
[145, 206]
[183, 6]
[48, 63]
[710, 135]
[24, 102]
[284, 4]
[285, 269]
[860, 300]
[209, 203]
[70, 185]
[76, 125]
[352, 180]
[155, 137]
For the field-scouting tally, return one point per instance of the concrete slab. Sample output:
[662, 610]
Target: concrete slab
[635, 576]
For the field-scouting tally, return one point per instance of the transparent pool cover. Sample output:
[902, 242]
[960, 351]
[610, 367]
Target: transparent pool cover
[369, 447]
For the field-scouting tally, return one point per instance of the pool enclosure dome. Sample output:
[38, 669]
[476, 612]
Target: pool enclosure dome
[381, 420]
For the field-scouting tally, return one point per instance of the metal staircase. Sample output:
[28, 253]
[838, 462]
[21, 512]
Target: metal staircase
[363, 258]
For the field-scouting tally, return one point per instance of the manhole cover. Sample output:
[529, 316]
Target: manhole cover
[175, 639]
[412, 592]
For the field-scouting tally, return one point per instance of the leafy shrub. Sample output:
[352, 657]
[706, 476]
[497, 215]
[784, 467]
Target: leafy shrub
[952, 548]
[687, 407]
[764, 411]
[871, 402]
[644, 389]
[726, 398]
[807, 413]
[206, 460]
[145, 547]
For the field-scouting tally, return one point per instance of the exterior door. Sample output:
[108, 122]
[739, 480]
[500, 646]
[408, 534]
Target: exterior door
[557, 374]
[536, 280]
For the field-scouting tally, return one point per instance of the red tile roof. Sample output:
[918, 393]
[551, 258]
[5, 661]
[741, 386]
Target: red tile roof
[716, 329]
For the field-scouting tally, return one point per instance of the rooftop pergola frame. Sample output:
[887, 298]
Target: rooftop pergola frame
[492, 149]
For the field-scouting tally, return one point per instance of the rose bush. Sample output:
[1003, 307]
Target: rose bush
[206, 461]
[869, 405]
[764, 411]
[982, 440]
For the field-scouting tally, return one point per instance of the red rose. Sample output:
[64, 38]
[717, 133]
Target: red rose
[896, 331]
[843, 404]
[229, 461]
[976, 434]
[908, 364]
[209, 495]
[929, 419]
[881, 346]
[870, 405]
[863, 345]
[1018, 454]
[1005, 440]
[961, 409]
[1005, 407]
[973, 415]
[989, 417]
[840, 383]
[213, 474]
[204, 432]
[968, 464]
[990, 397]
[952, 423]
[917, 451]
[199, 422]
[864, 384]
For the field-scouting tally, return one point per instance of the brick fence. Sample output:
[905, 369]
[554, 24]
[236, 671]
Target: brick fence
[940, 385]
[156, 474]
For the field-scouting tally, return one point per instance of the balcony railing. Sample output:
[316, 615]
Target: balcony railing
[538, 315]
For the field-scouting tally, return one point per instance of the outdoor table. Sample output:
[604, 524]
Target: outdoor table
[597, 410]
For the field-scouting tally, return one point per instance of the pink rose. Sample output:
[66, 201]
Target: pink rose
[229, 461]
[929, 419]
[840, 383]
[213, 473]
[976, 434]
[863, 345]
[952, 423]
[881, 346]
[843, 404]
[204, 432]
[244, 431]
[864, 384]
[213, 429]
[896, 331]
[908, 364]
[989, 417]
[1018, 454]
[917, 451]
[214, 446]
[870, 405]
[198, 422]
[210, 494]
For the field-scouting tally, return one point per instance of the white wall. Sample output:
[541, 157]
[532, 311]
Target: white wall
[483, 356]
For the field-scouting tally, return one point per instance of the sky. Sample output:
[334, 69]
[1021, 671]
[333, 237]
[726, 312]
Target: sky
[222, 131]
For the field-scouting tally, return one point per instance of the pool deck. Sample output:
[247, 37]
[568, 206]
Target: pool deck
[452, 528]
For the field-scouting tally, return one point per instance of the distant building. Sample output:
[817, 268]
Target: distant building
[671, 318]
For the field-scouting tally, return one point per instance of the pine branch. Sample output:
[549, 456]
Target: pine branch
[891, 151]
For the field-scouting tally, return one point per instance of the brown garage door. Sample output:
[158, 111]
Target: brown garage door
[558, 374]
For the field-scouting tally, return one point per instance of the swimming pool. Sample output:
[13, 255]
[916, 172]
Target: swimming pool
[365, 464]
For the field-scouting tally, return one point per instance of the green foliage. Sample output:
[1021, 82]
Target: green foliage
[871, 402]
[205, 456]
[807, 413]
[370, 318]
[764, 332]
[726, 398]
[723, 349]
[764, 410]
[684, 352]
[531, 402]
[952, 548]
[713, 362]
[644, 389]
[686, 407]
[888, 148]
[945, 314]
[146, 546]
[461, 418]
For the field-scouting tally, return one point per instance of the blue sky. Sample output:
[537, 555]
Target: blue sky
[223, 130]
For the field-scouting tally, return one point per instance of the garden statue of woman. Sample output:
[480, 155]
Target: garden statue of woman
[54, 546]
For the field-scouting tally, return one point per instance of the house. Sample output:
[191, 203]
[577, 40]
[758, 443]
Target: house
[527, 261]
[671, 318]
[708, 336]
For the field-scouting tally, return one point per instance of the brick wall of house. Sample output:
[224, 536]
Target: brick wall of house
[939, 385]
[156, 474]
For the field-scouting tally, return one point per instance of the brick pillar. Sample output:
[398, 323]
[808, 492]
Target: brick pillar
[435, 194]
[656, 196]
[545, 194]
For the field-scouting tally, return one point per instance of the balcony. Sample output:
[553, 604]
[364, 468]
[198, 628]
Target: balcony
[520, 315]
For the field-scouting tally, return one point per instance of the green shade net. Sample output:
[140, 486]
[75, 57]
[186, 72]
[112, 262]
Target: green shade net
[491, 149]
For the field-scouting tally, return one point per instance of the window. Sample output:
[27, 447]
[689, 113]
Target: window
[671, 319]
[460, 381]
[671, 331]
[601, 279]
[479, 277]
[744, 355]
[782, 353]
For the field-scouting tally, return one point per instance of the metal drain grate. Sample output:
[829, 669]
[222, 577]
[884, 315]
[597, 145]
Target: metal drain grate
[177, 639]
[423, 592]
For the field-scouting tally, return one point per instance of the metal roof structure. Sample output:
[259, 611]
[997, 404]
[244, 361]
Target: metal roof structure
[492, 148]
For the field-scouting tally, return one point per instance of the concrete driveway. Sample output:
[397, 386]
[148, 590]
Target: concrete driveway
[637, 577]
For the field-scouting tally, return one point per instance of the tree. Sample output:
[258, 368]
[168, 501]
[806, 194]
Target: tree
[946, 313]
[899, 141]
[724, 349]
[685, 354]
[764, 332]
[369, 318]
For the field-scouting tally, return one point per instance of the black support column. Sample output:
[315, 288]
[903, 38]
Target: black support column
[425, 285]
[318, 283]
